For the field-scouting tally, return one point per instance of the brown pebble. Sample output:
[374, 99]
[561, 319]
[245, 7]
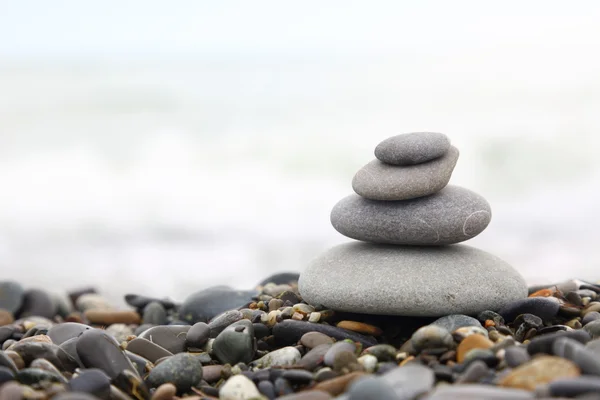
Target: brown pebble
[36, 339]
[6, 317]
[211, 373]
[298, 316]
[337, 386]
[360, 327]
[310, 340]
[16, 357]
[307, 395]
[472, 342]
[166, 391]
[109, 317]
[540, 370]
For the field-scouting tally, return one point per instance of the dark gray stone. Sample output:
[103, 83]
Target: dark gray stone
[37, 303]
[139, 301]
[290, 331]
[98, 349]
[11, 296]
[198, 335]
[147, 349]
[315, 357]
[183, 370]
[593, 328]
[223, 320]
[573, 387]
[169, 337]
[409, 280]
[280, 278]
[32, 376]
[381, 181]
[93, 381]
[412, 148]
[516, 355]
[431, 337]
[452, 215]
[578, 353]
[589, 317]
[60, 333]
[454, 321]
[154, 313]
[544, 343]
[544, 307]
[235, 344]
[206, 304]
[6, 374]
[30, 351]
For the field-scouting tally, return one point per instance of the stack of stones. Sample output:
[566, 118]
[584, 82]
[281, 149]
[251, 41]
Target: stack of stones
[407, 221]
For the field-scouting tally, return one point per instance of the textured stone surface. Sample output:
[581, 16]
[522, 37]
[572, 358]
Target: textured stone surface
[412, 148]
[453, 215]
[543, 369]
[404, 280]
[381, 181]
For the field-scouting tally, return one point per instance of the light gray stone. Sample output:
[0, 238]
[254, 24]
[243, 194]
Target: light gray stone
[477, 392]
[412, 281]
[381, 181]
[452, 215]
[412, 148]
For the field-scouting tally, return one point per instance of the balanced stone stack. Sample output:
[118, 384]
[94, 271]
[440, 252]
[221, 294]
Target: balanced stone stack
[407, 221]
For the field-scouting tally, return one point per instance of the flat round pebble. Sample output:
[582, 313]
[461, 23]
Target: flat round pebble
[93, 381]
[97, 349]
[454, 321]
[412, 148]
[170, 337]
[380, 181]
[311, 340]
[408, 280]
[452, 215]
[208, 303]
[431, 337]
[147, 349]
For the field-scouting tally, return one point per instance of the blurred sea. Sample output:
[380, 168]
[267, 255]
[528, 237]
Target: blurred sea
[164, 178]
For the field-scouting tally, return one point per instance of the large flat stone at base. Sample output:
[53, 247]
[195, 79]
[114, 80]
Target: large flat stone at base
[410, 281]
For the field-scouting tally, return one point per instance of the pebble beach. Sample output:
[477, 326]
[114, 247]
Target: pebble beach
[404, 311]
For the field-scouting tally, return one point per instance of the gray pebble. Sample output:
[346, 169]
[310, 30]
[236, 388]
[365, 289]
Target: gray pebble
[412, 148]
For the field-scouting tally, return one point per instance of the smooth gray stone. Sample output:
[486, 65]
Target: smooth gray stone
[60, 333]
[410, 381]
[198, 335]
[574, 386]
[11, 296]
[97, 349]
[207, 303]
[381, 181]
[410, 281]
[235, 344]
[578, 353]
[154, 313]
[371, 388]
[452, 215]
[169, 337]
[477, 392]
[431, 337]
[544, 307]
[37, 303]
[454, 321]
[412, 148]
[184, 370]
[516, 355]
[222, 321]
[337, 348]
[147, 349]
[593, 328]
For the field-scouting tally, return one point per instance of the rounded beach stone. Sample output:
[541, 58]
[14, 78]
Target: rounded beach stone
[235, 344]
[208, 303]
[404, 280]
[380, 181]
[412, 148]
[540, 370]
[452, 215]
[184, 370]
[544, 307]
[239, 387]
[11, 296]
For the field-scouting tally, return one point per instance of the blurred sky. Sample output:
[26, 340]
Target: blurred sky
[57, 29]
[189, 143]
